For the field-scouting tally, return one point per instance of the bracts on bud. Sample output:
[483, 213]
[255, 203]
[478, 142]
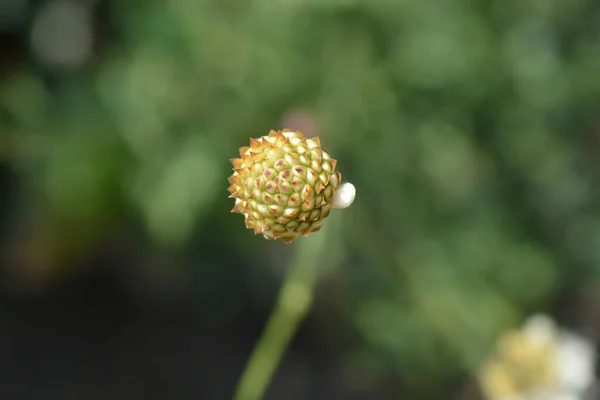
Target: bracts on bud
[285, 185]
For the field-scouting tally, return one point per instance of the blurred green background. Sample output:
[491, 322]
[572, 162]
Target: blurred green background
[470, 128]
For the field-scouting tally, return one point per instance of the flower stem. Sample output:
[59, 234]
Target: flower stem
[293, 303]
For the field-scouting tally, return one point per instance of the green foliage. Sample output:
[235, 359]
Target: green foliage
[468, 127]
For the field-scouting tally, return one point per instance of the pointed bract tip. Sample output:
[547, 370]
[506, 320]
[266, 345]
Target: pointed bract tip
[238, 207]
[236, 195]
[243, 150]
[236, 162]
[255, 143]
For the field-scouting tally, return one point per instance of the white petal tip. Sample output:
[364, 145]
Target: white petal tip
[344, 196]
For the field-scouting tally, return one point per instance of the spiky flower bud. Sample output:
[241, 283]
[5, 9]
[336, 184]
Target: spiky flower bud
[285, 185]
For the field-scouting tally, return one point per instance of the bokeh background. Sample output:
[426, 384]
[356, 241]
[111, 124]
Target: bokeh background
[470, 128]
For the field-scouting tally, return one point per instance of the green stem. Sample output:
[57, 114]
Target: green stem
[293, 303]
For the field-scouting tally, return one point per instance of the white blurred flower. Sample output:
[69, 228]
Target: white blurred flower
[539, 362]
[344, 196]
[576, 359]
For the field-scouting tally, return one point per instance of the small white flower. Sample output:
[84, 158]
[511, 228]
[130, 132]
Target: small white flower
[561, 361]
[575, 361]
[344, 196]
